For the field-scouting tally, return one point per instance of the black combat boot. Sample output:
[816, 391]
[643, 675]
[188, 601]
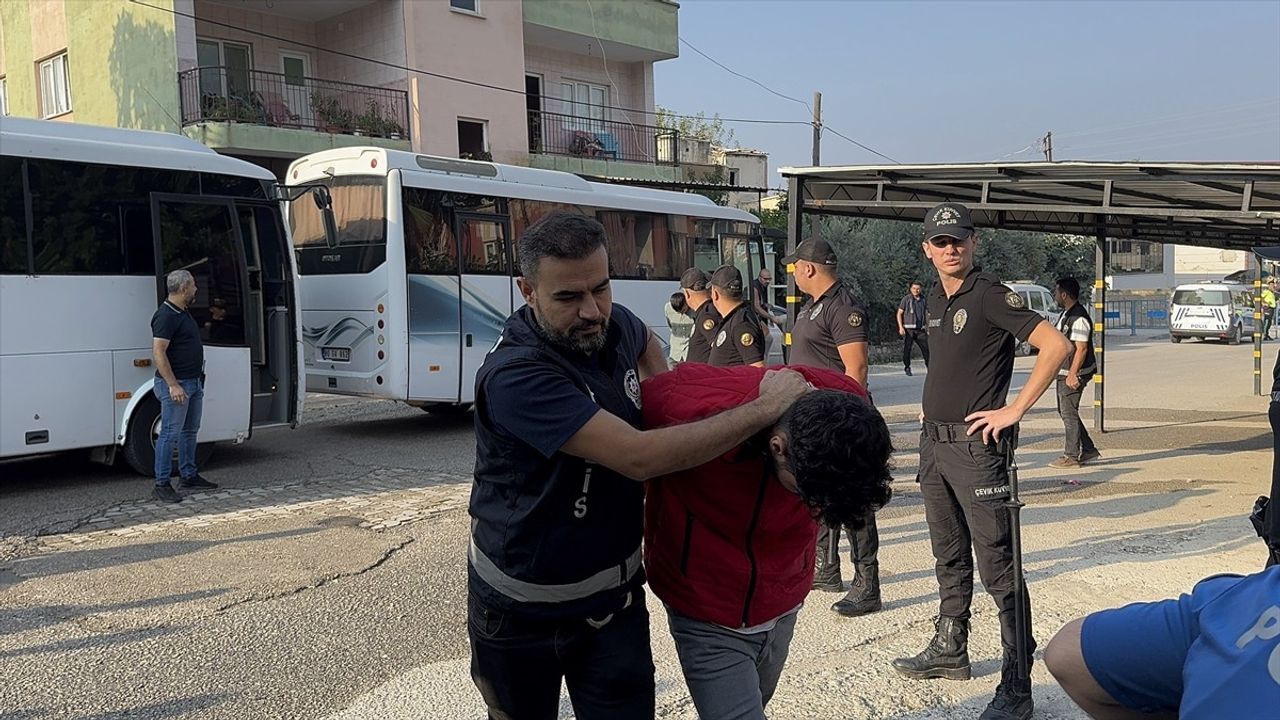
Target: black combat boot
[947, 655]
[827, 575]
[864, 595]
[1013, 694]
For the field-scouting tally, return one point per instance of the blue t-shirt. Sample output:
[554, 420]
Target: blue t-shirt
[1212, 654]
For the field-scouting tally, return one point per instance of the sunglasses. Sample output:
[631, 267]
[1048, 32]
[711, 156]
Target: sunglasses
[942, 241]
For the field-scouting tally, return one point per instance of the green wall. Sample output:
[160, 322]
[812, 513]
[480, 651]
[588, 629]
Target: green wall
[649, 24]
[124, 64]
[19, 63]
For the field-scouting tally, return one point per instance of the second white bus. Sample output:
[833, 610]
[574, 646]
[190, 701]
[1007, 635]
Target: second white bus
[417, 288]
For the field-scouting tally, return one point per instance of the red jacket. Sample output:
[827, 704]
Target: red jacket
[725, 542]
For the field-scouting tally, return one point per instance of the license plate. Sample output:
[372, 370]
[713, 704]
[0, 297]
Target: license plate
[335, 354]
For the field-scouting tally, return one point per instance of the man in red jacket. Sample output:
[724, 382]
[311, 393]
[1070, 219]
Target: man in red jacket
[729, 545]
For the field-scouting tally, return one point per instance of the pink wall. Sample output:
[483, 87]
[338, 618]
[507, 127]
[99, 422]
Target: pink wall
[628, 88]
[487, 49]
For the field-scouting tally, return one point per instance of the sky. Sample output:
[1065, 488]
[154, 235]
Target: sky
[926, 82]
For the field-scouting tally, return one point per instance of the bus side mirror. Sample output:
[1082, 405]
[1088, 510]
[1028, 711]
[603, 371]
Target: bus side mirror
[324, 201]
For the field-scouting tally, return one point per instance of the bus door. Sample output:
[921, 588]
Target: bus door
[271, 315]
[485, 299]
[201, 234]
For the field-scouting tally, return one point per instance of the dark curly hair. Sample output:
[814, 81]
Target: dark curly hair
[840, 451]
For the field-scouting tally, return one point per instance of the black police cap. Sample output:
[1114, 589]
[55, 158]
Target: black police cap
[948, 220]
[693, 279]
[815, 251]
[727, 277]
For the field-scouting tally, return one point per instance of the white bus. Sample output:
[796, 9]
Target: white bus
[420, 281]
[91, 220]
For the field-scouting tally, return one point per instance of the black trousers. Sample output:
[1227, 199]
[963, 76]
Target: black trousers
[965, 486]
[517, 662]
[1077, 437]
[1273, 510]
[864, 546]
[919, 337]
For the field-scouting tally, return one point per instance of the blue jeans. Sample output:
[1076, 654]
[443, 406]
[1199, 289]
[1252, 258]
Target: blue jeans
[179, 423]
[731, 676]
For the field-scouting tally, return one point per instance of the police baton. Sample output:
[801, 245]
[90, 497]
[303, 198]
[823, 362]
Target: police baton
[1015, 505]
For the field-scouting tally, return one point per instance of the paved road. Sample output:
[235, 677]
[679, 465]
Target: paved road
[325, 578]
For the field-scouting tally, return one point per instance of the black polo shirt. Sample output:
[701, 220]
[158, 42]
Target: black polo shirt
[740, 339]
[913, 311]
[705, 323]
[185, 351]
[823, 324]
[971, 341]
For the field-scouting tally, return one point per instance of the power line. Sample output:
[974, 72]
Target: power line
[427, 73]
[749, 79]
[873, 151]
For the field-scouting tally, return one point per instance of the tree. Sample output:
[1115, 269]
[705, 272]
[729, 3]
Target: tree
[696, 126]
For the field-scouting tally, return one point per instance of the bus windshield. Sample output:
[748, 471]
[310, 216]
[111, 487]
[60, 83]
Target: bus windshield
[1201, 297]
[360, 214]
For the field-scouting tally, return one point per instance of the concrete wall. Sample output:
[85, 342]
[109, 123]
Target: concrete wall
[488, 49]
[631, 87]
[376, 32]
[20, 73]
[753, 171]
[648, 24]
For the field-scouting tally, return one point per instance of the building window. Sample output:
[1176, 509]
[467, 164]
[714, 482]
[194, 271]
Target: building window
[584, 100]
[1136, 256]
[4, 96]
[55, 86]
[472, 140]
[470, 6]
[224, 68]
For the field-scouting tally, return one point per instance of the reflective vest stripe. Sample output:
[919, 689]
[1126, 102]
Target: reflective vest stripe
[523, 591]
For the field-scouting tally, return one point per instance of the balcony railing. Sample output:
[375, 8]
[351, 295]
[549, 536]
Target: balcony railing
[225, 94]
[600, 137]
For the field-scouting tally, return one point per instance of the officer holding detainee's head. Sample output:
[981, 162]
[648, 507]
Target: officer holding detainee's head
[973, 323]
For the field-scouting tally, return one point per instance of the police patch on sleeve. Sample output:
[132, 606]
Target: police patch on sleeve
[855, 319]
[746, 340]
[631, 383]
[1014, 300]
[708, 324]
[721, 338]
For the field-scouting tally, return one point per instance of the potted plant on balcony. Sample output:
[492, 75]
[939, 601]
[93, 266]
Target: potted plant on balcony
[330, 114]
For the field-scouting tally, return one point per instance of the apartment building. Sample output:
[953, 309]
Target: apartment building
[558, 84]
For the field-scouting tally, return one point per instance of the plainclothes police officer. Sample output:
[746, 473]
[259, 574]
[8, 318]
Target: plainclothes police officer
[973, 323]
[740, 337]
[554, 577]
[831, 332]
[697, 293]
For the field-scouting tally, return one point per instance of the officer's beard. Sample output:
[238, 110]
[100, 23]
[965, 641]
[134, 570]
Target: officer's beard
[574, 339]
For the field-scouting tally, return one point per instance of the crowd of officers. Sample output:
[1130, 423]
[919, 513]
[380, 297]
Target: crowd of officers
[969, 322]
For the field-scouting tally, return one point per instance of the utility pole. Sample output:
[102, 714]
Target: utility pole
[817, 129]
[1046, 144]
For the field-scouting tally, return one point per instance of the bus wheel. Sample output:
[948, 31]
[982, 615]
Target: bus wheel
[446, 409]
[140, 443]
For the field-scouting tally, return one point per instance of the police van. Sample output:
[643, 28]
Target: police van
[1039, 299]
[1211, 310]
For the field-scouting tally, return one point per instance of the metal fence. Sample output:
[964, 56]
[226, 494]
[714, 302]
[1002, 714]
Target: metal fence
[226, 94]
[552, 133]
[1135, 315]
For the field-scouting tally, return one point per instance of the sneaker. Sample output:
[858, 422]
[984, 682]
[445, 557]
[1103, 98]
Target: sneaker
[166, 493]
[1088, 455]
[195, 482]
[1065, 462]
[907, 370]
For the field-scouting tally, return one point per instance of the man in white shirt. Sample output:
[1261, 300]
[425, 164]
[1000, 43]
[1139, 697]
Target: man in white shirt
[1079, 367]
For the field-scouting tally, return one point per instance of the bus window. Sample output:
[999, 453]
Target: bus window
[13, 219]
[429, 245]
[201, 238]
[640, 246]
[359, 209]
[484, 245]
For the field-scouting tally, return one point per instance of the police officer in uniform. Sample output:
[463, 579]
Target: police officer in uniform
[697, 293]
[831, 332]
[973, 323]
[554, 575]
[739, 339]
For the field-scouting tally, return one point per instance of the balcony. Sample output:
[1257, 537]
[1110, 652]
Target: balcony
[267, 113]
[591, 141]
[628, 30]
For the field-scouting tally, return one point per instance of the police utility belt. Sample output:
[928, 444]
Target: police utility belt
[958, 433]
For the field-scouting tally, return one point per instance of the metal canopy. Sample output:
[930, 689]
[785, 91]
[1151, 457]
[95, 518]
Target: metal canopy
[1230, 206]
